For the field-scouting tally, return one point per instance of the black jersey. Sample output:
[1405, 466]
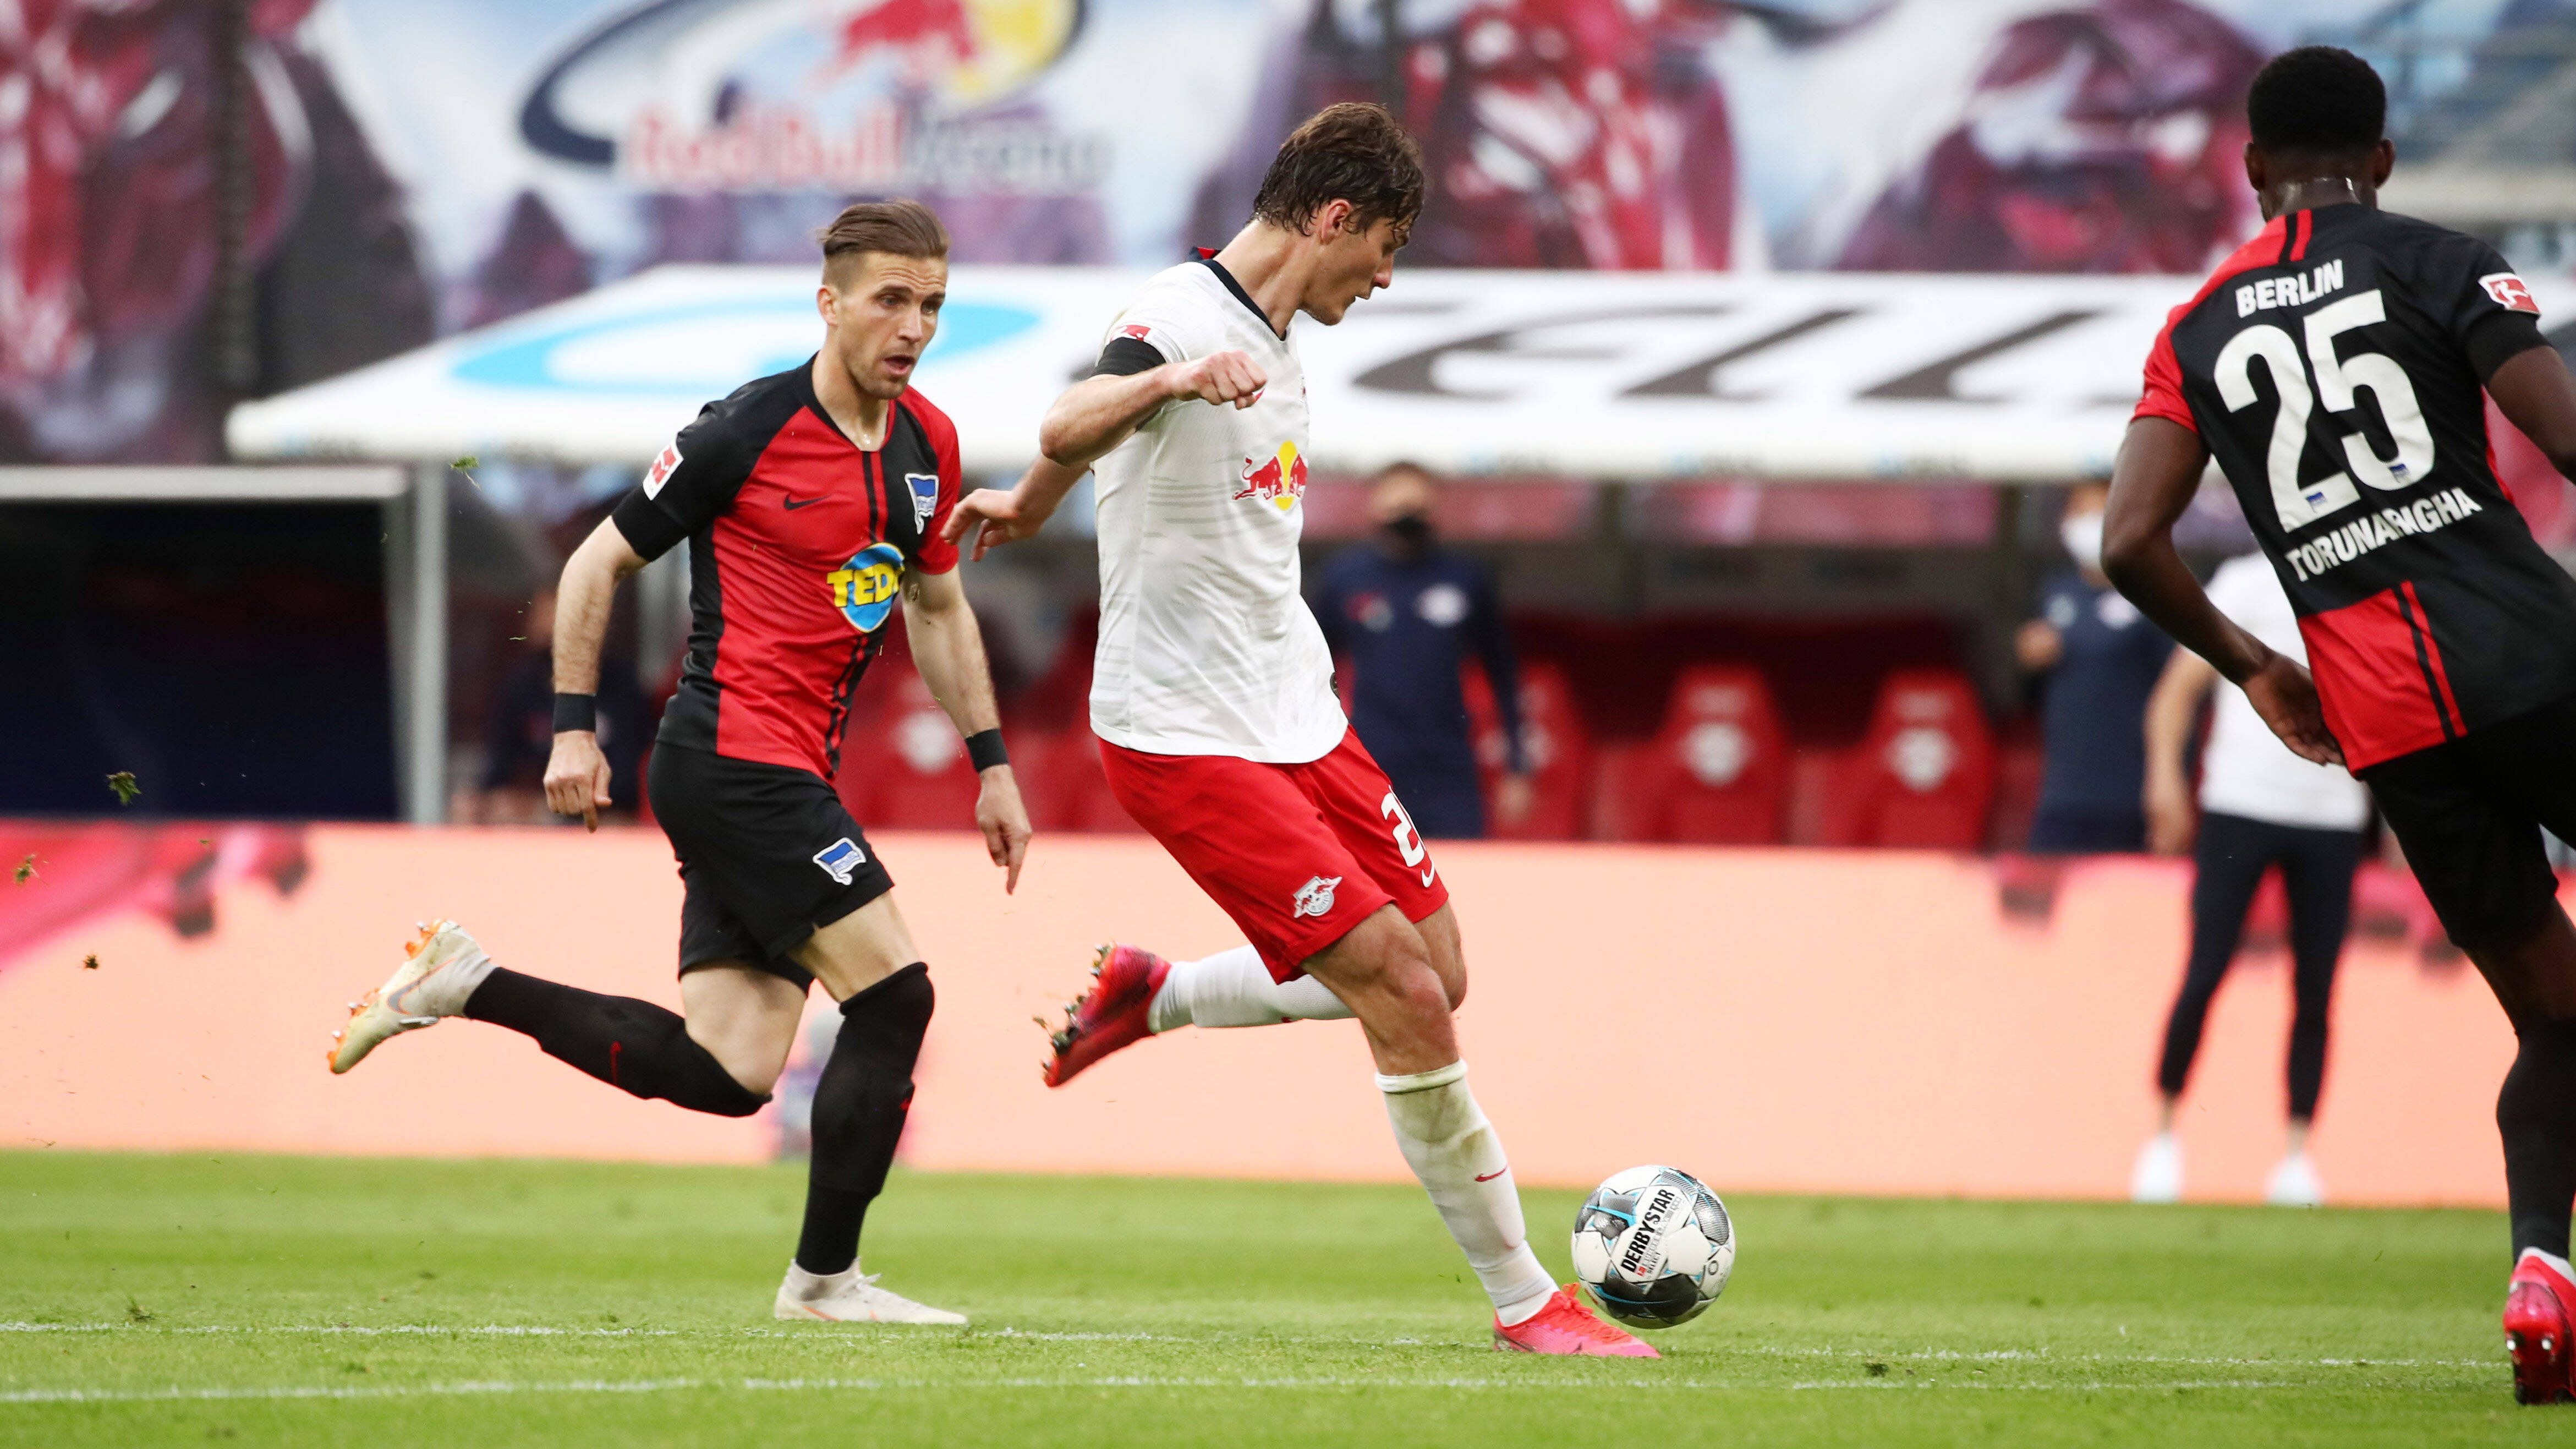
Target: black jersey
[798, 544]
[2335, 367]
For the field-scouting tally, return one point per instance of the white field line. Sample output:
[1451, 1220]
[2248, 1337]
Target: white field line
[497, 1330]
[812, 1385]
[1939, 1355]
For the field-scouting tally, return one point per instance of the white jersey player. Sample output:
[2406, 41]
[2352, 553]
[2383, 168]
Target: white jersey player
[1212, 694]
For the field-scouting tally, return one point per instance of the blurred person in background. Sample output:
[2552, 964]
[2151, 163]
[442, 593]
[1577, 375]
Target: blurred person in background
[1407, 612]
[2260, 805]
[2098, 660]
[519, 734]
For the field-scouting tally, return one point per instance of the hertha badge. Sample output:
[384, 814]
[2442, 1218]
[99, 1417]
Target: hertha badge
[1315, 897]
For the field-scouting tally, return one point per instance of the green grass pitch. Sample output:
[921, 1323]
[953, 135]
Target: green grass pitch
[200, 1298]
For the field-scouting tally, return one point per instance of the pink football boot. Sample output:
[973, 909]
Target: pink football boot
[1565, 1326]
[1111, 1015]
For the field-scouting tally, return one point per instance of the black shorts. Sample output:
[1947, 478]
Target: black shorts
[767, 853]
[2469, 813]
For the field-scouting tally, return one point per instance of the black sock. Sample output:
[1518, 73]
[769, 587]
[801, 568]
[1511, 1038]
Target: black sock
[2537, 1114]
[859, 1109]
[632, 1045]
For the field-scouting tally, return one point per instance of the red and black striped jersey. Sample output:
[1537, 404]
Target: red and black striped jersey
[2335, 367]
[798, 544]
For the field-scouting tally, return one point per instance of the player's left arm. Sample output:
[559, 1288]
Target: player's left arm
[2152, 481]
[2536, 393]
[948, 649]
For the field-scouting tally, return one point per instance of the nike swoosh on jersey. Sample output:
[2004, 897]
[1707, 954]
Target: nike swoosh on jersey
[1497, 1172]
[795, 503]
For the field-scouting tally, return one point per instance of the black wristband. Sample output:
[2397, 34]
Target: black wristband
[984, 748]
[576, 712]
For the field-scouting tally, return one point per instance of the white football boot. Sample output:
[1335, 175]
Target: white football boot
[2295, 1183]
[2158, 1175]
[440, 969]
[852, 1297]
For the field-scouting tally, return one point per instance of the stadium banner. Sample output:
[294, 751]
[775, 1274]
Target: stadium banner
[1777, 1020]
[1585, 374]
[401, 171]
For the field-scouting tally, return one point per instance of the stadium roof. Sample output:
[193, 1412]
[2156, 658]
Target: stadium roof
[1611, 375]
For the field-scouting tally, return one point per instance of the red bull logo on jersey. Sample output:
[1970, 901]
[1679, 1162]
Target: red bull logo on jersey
[864, 589]
[1278, 480]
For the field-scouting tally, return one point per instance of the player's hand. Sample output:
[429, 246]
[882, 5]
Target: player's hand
[577, 777]
[2170, 818]
[996, 517]
[1513, 797]
[2286, 697]
[2038, 646]
[1220, 377]
[1005, 823]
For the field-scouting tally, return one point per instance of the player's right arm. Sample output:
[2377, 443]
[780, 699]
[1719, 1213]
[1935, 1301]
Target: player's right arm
[2152, 481]
[1099, 412]
[694, 479]
[1136, 379]
[577, 773]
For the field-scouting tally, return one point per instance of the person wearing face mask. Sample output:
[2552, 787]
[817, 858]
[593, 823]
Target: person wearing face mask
[1407, 612]
[2098, 659]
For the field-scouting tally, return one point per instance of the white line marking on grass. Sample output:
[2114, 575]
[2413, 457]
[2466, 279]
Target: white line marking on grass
[498, 1330]
[817, 1385]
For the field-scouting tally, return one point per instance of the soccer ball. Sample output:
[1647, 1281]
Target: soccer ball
[1653, 1246]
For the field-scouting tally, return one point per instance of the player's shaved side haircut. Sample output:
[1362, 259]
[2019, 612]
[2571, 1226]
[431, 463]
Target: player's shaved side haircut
[2317, 100]
[1352, 152]
[896, 228]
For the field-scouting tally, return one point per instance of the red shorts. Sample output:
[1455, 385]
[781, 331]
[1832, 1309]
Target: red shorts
[1297, 854]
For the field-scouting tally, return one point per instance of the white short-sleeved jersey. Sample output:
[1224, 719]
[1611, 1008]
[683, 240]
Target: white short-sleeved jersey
[2245, 769]
[1206, 644]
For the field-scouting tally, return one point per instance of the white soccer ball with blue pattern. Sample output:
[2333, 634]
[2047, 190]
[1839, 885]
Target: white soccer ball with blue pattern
[1653, 1246]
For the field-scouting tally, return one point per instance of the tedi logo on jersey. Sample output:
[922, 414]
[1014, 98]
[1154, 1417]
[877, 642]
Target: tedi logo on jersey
[1278, 480]
[864, 588]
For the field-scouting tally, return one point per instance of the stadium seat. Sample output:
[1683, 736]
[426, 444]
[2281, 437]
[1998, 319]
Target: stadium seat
[1924, 776]
[1559, 748]
[1717, 773]
[903, 766]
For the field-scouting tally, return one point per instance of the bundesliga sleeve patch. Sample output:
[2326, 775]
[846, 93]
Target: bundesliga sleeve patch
[2509, 292]
[1137, 330]
[661, 471]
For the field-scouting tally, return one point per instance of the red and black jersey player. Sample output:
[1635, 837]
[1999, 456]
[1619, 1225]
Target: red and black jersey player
[2337, 368]
[810, 502]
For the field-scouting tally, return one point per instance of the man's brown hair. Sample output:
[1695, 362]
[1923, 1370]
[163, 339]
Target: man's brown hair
[1352, 152]
[897, 228]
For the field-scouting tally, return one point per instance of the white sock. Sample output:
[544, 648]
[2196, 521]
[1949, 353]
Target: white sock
[1233, 988]
[2552, 1259]
[1460, 1162]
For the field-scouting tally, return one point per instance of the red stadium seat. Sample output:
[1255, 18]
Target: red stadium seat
[1559, 748]
[1924, 777]
[1717, 773]
[903, 766]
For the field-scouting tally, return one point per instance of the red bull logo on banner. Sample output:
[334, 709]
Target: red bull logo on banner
[1278, 480]
[848, 95]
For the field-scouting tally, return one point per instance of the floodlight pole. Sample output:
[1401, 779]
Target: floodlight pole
[416, 619]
